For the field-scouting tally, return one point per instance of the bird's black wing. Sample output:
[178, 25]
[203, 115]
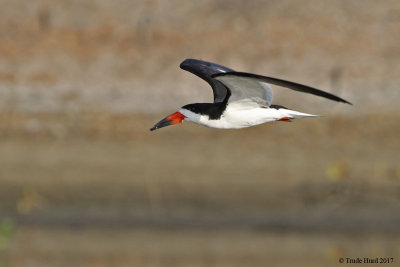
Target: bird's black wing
[283, 83]
[206, 70]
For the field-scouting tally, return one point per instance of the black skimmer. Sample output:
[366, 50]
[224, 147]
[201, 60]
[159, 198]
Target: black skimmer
[240, 99]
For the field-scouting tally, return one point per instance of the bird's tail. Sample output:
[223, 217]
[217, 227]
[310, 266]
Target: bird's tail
[292, 114]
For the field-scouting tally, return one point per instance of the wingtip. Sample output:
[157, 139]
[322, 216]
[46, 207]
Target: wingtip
[347, 102]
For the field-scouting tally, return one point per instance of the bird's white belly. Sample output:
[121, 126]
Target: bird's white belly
[236, 119]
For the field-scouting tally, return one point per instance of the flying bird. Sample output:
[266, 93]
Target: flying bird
[240, 99]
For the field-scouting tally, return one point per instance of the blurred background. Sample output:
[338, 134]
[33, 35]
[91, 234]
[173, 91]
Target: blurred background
[83, 182]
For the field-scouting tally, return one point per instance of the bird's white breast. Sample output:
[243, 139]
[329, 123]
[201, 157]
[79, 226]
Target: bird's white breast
[235, 117]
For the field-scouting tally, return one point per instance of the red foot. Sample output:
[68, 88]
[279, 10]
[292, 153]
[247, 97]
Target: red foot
[287, 119]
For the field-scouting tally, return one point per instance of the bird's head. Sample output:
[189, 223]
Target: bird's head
[174, 118]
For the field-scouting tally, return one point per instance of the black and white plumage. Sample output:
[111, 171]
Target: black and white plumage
[240, 99]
